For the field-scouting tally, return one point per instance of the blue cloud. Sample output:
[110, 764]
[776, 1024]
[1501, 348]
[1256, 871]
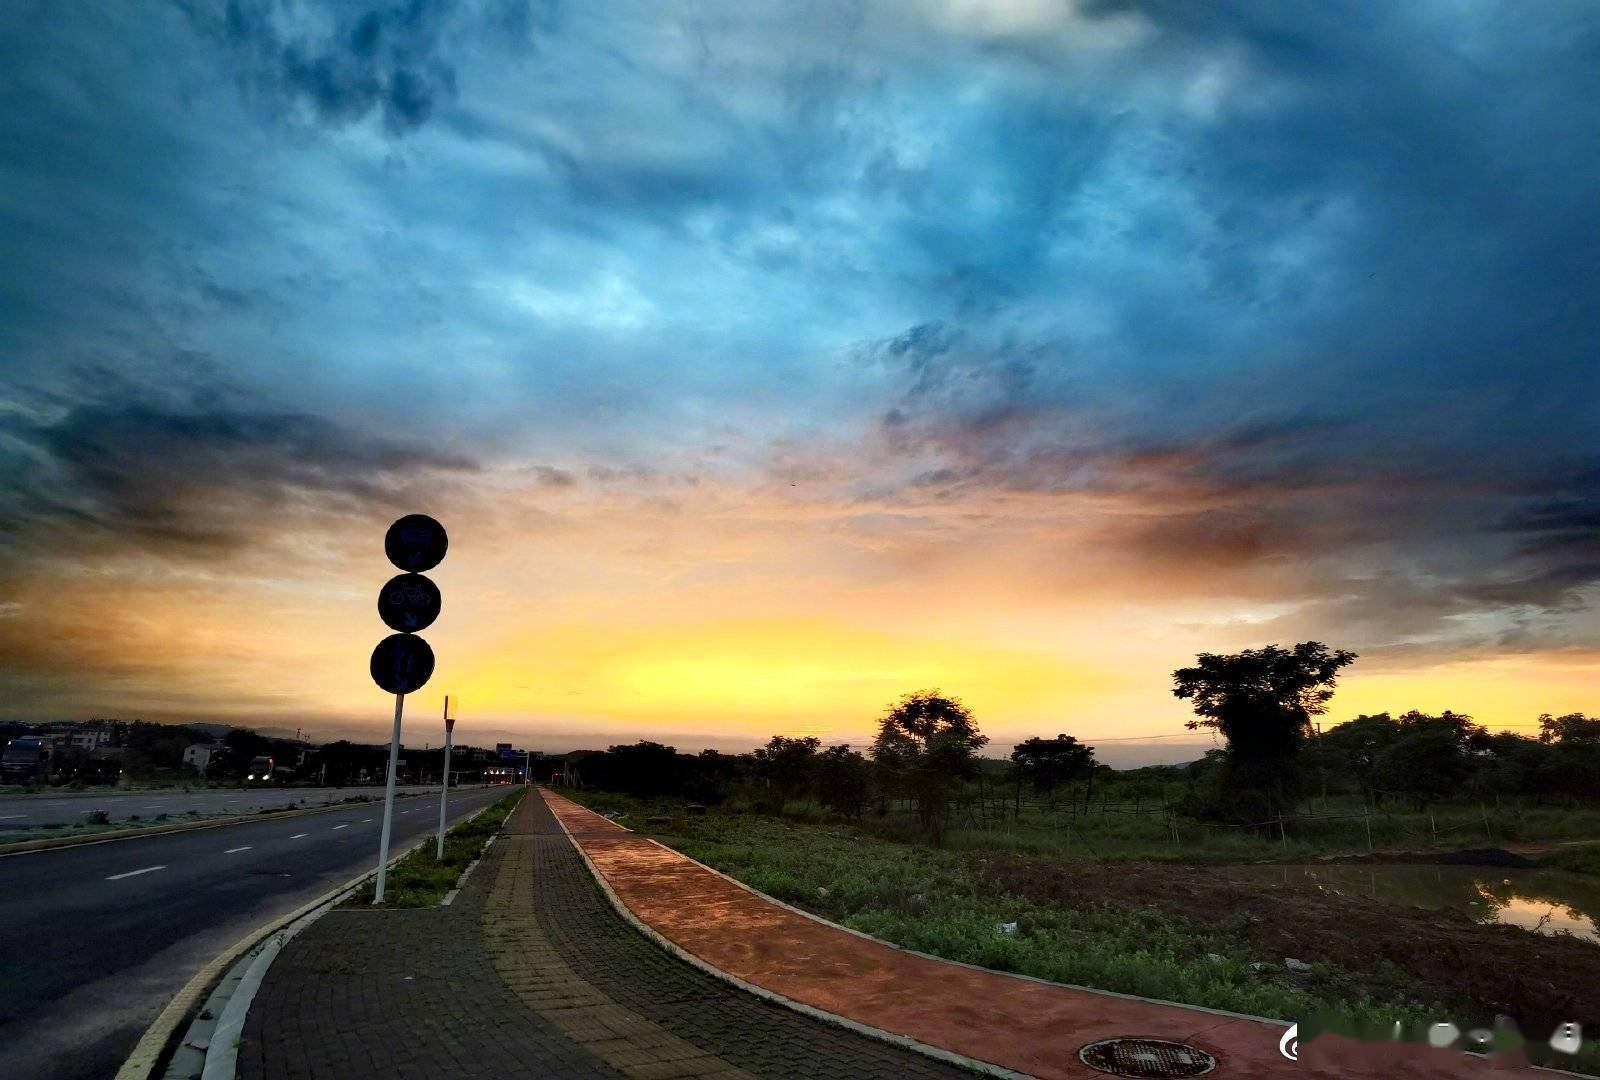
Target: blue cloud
[1323, 261]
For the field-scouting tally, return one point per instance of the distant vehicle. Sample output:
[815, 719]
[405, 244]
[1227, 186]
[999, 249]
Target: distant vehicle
[261, 770]
[28, 758]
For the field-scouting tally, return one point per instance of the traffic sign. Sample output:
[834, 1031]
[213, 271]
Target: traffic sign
[408, 603]
[416, 543]
[402, 663]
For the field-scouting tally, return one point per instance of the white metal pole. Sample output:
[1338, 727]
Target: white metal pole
[388, 801]
[444, 792]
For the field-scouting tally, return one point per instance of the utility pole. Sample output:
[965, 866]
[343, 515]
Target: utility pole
[444, 792]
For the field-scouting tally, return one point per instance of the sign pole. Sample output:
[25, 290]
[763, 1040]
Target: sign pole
[444, 792]
[388, 800]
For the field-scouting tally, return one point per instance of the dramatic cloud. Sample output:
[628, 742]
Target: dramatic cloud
[1223, 325]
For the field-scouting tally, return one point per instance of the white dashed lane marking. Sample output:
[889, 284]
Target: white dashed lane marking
[134, 873]
[231, 850]
[298, 835]
[346, 825]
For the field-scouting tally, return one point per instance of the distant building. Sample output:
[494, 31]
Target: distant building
[203, 755]
[92, 737]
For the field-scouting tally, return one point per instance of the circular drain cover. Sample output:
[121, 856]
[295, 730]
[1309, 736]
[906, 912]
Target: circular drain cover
[1146, 1058]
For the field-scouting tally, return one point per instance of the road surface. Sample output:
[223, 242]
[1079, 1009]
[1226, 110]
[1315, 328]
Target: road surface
[30, 811]
[94, 940]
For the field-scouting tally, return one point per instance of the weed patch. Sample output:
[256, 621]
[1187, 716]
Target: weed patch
[421, 880]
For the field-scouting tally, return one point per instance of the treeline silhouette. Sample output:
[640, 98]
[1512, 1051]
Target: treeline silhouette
[1261, 702]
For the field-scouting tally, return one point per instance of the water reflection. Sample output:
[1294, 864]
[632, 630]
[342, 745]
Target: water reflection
[1545, 901]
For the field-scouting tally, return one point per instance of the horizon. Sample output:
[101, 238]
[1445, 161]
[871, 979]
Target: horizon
[767, 366]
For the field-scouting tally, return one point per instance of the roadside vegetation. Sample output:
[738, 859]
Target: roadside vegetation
[1050, 864]
[1173, 932]
[422, 880]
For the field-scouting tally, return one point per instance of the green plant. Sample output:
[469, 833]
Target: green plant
[422, 880]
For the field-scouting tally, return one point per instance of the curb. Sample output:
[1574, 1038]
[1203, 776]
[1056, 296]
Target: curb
[149, 1051]
[887, 1036]
[902, 1041]
[52, 843]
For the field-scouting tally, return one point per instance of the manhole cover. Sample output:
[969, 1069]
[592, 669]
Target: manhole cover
[1146, 1058]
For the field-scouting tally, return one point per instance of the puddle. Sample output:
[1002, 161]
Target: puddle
[1545, 901]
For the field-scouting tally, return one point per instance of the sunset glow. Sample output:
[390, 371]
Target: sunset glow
[766, 368]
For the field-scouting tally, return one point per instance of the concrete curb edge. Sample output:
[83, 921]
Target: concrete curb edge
[902, 1041]
[149, 1051]
[890, 1036]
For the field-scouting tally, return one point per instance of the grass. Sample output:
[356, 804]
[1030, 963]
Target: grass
[421, 880]
[1576, 860]
[934, 901]
[1337, 828]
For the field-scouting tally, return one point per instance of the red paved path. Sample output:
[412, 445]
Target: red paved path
[1029, 1027]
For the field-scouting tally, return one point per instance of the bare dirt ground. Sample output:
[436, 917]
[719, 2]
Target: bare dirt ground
[1537, 979]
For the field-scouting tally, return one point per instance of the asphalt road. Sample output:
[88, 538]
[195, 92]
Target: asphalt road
[95, 940]
[27, 811]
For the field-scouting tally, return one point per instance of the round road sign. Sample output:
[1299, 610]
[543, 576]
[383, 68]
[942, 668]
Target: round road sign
[402, 663]
[408, 603]
[416, 543]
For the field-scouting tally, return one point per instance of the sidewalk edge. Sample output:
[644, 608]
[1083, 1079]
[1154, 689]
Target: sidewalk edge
[995, 1070]
[902, 1041]
[148, 1052]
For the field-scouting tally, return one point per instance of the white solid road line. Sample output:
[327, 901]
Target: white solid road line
[231, 850]
[298, 835]
[346, 825]
[8, 817]
[134, 873]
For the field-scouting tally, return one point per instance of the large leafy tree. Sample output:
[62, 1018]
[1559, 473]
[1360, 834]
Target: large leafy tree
[786, 764]
[1431, 757]
[927, 744]
[1262, 702]
[844, 780]
[1046, 764]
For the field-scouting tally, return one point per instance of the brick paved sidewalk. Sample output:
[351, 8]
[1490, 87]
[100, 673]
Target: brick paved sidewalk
[1028, 1026]
[530, 972]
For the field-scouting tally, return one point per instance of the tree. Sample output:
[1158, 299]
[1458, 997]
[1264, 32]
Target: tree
[1046, 764]
[1572, 763]
[1571, 728]
[1351, 749]
[927, 745]
[844, 780]
[786, 764]
[641, 768]
[1262, 701]
[1432, 757]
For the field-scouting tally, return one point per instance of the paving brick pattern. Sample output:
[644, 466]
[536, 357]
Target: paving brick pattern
[528, 973]
[402, 994]
[741, 1029]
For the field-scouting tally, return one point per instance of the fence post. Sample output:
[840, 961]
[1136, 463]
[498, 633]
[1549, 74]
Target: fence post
[1433, 828]
[1486, 830]
[1367, 820]
[1283, 835]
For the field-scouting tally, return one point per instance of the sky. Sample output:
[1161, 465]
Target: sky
[768, 361]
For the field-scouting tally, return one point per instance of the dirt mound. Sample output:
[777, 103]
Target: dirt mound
[1536, 979]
